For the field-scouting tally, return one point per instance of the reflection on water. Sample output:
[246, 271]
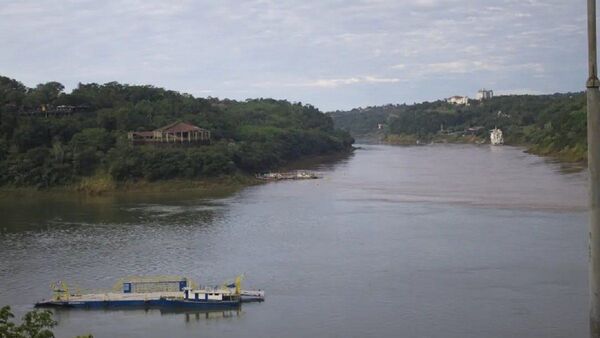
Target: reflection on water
[55, 210]
[443, 240]
[187, 315]
[204, 315]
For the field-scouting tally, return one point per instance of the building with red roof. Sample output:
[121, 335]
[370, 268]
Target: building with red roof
[174, 133]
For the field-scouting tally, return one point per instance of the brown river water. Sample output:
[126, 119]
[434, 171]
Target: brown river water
[431, 241]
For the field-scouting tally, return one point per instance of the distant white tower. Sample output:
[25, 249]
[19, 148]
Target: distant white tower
[484, 94]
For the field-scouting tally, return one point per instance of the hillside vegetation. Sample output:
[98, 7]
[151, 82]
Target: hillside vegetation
[548, 124]
[91, 146]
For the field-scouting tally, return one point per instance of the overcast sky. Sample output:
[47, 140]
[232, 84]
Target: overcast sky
[333, 54]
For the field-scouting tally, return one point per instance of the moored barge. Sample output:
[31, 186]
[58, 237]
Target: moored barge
[157, 294]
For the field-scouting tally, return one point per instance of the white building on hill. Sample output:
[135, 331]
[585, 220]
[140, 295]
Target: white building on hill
[459, 100]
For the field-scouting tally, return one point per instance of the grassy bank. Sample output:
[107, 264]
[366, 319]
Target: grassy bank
[575, 154]
[104, 185]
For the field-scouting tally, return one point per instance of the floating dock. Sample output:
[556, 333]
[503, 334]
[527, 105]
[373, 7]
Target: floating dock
[159, 294]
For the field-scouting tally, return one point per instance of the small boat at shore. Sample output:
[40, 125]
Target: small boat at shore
[293, 175]
[155, 293]
[496, 137]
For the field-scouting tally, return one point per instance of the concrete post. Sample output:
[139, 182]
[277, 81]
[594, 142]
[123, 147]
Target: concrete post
[593, 116]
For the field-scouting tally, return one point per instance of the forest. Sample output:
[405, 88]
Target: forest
[42, 149]
[553, 125]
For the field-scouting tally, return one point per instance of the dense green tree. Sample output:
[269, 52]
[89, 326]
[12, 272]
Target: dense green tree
[33, 133]
[97, 139]
[12, 92]
[42, 150]
[44, 94]
[36, 324]
[125, 162]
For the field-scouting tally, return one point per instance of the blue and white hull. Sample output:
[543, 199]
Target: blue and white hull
[142, 304]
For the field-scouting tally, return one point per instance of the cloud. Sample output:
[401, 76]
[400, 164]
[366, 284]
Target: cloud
[465, 67]
[332, 82]
[518, 91]
[457, 67]
[362, 51]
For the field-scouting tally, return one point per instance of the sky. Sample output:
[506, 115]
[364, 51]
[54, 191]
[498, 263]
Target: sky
[332, 54]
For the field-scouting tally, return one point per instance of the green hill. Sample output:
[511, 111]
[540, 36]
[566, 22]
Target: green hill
[52, 138]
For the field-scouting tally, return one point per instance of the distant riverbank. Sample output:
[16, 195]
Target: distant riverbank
[407, 139]
[553, 126]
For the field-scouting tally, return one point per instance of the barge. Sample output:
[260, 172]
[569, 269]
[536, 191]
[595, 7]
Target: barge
[163, 294]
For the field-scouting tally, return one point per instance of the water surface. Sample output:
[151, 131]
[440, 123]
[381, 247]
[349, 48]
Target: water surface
[445, 240]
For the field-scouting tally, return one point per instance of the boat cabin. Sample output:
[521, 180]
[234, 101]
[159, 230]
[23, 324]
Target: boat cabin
[207, 295]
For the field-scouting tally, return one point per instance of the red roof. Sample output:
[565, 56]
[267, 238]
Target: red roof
[178, 127]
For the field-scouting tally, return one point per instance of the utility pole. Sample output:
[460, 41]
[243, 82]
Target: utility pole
[593, 125]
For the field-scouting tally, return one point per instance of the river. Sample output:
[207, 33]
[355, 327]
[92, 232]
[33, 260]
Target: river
[431, 241]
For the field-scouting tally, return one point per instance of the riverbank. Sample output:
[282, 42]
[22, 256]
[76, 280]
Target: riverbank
[574, 154]
[104, 185]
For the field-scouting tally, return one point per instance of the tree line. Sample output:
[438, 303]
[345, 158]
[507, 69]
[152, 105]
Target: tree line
[248, 136]
[548, 124]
